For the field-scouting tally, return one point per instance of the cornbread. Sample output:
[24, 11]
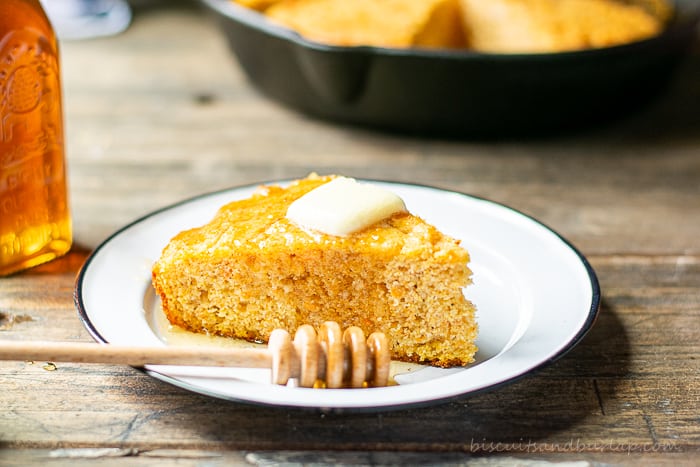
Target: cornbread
[259, 5]
[661, 9]
[516, 26]
[381, 23]
[495, 26]
[251, 270]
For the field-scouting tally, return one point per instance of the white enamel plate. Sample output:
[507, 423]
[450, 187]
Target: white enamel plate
[536, 298]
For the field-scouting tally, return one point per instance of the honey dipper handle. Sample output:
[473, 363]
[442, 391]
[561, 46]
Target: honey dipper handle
[135, 356]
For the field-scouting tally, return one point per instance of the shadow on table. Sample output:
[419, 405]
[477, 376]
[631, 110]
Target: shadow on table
[538, 407]
[674, 115]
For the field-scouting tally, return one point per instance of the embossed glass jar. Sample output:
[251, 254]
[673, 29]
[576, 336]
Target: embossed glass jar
[35, 222]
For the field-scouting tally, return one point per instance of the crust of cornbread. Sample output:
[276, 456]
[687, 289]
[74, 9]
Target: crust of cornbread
[382, 23]
[259, 5]
[250, 270]
[517, 26]
[500, 26]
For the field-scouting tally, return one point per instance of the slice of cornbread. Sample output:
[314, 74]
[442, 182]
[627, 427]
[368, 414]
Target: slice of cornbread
[381, 23]
[524, 26]
[251, 270]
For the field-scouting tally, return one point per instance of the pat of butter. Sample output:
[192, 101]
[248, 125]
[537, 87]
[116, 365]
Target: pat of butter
[343, 206]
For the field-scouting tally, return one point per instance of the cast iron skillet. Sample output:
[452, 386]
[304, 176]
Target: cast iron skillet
[459, 93]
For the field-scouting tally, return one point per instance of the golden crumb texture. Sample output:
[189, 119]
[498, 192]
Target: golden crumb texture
[495, 26]
[383, 23]
[513, 26]
[250, 271]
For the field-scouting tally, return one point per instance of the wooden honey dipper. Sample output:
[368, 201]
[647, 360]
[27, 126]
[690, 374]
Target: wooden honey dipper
[339, 359]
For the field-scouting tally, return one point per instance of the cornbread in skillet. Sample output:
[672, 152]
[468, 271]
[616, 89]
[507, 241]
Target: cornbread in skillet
[259, 5]
[381, 23]
[522, 26]
[251, 270]
[494, 26]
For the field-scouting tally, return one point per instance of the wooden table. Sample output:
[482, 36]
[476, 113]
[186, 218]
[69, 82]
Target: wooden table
[162, 113]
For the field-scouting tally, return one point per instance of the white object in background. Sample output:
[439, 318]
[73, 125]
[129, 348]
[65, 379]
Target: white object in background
[536, 298]
[84, 19]
[343, 206]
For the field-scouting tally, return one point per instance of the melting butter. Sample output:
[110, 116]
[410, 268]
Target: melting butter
[343, 206]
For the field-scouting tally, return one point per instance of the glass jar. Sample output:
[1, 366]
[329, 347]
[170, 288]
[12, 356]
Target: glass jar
[35, 222]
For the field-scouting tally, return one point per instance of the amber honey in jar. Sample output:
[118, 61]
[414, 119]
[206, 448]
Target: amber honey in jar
[35, 223]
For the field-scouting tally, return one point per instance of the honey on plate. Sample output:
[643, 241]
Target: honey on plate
[35, 222]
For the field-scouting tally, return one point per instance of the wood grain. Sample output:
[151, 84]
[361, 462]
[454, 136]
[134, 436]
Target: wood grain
[162, 113]
[79, 352]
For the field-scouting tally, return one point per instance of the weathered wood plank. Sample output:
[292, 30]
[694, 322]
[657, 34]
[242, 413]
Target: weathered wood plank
[614, 385]
[151, 120]
[539, 455]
